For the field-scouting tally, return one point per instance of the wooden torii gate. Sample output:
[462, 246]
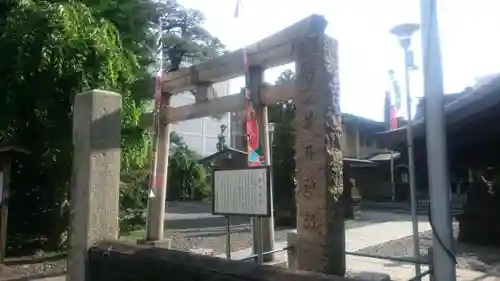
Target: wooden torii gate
[320, 223]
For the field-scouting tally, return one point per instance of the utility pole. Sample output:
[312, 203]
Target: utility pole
[437, 161]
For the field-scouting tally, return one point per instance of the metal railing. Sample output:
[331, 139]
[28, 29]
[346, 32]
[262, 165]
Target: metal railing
[396, 259]
[417, 277]
[423, 274]
[256, 256]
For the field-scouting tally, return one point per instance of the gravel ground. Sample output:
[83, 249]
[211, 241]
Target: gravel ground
[472, 257]
[468, 257]
[41, 265]
[182, 239]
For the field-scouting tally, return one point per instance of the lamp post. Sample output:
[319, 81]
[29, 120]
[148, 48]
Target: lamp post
[404, 33]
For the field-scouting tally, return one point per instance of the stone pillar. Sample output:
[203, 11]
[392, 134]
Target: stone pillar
[95, 183]
[318, 156]
[265, 238]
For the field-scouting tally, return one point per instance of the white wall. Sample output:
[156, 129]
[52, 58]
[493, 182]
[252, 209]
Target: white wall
[201, 134]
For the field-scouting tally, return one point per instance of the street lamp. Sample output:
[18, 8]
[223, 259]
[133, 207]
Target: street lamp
[404, 34]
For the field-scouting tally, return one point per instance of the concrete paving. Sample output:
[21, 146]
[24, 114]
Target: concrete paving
[405, 271]
[398, 226]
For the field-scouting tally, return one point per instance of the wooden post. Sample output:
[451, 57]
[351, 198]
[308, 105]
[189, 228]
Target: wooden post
[320, 219]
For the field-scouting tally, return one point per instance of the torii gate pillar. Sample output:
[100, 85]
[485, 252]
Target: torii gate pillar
[320, 222]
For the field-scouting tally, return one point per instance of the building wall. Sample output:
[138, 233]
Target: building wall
[373, 183]
[349, 141]
[237, 132]
[356, 143]
[201, 134]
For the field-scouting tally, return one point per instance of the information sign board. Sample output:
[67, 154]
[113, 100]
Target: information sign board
[242, 192]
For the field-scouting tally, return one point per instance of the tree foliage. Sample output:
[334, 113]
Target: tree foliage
[187, 177]
[52, 50]
[283, 115]
[184, 37]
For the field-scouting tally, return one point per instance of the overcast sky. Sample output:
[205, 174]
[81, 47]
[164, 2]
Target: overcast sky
[468, 28]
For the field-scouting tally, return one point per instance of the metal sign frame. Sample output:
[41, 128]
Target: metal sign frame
[268, 192]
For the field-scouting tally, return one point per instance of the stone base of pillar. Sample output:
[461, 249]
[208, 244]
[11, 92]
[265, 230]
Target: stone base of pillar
[164, 244]
[292, 239]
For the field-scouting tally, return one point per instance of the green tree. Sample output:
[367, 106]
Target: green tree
[184, 40]
[184, 37]
[52, 52]
[283, 115]
[187, 178]
[55, 49]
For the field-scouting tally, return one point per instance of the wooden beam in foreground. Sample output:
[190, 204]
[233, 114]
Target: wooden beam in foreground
[236, 102]
[272, 51]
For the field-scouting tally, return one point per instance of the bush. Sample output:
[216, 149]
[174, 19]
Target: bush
[187, 179]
